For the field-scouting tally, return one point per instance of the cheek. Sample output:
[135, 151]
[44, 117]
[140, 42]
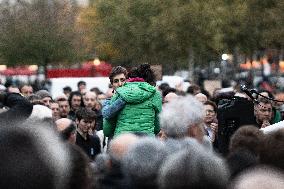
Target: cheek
[82, 126]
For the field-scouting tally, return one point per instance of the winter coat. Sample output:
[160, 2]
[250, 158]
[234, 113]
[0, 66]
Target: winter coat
[19, 109]
[140, 113]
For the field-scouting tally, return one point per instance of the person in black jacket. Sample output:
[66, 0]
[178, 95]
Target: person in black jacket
[15, 108]
[90, 144]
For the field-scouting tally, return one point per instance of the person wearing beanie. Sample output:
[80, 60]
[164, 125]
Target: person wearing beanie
[45, 97]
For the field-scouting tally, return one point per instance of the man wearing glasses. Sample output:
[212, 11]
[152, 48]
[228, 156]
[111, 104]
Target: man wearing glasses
[210, 120]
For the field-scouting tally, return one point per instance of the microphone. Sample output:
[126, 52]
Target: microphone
[249, 92]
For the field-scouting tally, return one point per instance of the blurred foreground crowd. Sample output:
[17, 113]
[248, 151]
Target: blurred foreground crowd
[139, 135]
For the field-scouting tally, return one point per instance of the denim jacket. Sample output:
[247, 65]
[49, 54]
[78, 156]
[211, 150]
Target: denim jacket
[110, 110]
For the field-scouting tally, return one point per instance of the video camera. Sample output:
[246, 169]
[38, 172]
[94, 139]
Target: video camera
[232, 114]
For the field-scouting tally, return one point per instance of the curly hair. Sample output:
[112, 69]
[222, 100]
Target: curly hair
[144, 71]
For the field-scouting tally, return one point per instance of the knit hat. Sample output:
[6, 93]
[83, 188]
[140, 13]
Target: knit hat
[43, 93]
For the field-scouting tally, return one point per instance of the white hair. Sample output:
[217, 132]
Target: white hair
[143, 160]
[180, 114]
[58, 154]
[45, 147]
[176, 145]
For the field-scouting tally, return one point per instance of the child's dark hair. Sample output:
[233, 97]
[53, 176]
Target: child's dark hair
[144, 71]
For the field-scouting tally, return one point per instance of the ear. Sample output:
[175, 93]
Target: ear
[192, 131]
[77, 121]
[197, 132]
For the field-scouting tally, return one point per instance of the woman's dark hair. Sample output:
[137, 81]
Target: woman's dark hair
[144, 71]
[134, 73]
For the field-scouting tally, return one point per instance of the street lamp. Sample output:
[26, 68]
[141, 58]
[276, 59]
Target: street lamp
[3, 67]
[33, 68]
[97, 62]
[225, 56]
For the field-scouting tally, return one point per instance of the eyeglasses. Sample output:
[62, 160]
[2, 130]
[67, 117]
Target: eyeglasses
[120, 79]
[210, 112]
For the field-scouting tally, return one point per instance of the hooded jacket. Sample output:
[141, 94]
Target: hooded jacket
[140, 114]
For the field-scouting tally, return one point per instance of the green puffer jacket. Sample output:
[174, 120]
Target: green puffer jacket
[140, 114]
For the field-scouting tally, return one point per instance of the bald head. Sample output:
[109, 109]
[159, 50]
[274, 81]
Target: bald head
[201, 97]
[62, 123]
[67, 129]
[90, 100]
[170, 96]
[119, 145]
[90, 94]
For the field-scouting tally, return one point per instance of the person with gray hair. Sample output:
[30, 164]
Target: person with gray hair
[32, 156]
[193, 168]
[183, 117]
[174, 145]
[45, 97]
[100, 168]
[142, 162]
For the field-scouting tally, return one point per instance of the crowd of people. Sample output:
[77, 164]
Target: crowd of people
[139, 135]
